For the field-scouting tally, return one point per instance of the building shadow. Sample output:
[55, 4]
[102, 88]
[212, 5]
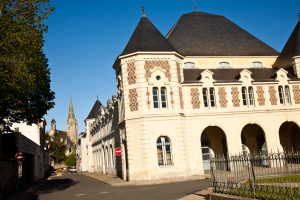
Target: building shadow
[55, 185]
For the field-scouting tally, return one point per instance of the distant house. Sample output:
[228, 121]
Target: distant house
[206, 88]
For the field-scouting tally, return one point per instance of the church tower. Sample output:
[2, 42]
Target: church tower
[72, 129]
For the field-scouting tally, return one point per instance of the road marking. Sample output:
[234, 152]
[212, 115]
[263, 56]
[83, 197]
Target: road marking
[103, 193]
[77, 195]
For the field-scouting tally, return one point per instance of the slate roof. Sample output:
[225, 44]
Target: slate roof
[147, 37]
[95, 110]
[203, 34]
[233, 75]
[292, 47]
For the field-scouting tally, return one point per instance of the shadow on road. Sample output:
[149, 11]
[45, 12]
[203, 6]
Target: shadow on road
[55, 185]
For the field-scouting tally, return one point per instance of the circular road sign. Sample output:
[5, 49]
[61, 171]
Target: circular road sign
[118, 151]
[19, 156]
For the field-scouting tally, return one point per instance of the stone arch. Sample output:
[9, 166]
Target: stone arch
[213, 143]
[253, 137]
[289, 134]
[215, 138]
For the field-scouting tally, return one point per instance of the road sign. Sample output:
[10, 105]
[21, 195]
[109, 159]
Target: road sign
[19, 156]
[118, 151]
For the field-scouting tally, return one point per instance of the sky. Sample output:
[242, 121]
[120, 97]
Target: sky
[86, 36]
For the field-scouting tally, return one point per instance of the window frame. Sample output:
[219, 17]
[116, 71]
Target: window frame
[160, 97]
[209, 97]
[284, 95]
[164, 151]
[248, 96]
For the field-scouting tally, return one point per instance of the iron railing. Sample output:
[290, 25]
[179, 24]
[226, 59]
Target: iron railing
[272, 176]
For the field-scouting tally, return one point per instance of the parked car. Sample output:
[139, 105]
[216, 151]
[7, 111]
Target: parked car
[73, 169]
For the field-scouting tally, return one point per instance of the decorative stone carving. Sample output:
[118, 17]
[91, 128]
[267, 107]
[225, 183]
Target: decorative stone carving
[260, 95]
[273, 98]
[181, 98]
[172, 99]
[235, 97]
[178, 72]
[148, 98]
[131, 73]
[195, 98]
[296, 91]
[222, 97]
[133, 100]
[163, 64]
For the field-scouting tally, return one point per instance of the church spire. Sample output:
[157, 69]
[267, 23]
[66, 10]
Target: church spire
[71, 111]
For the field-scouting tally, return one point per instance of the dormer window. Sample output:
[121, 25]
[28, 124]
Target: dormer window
[189, 65]
[224, 65]
[257, 64]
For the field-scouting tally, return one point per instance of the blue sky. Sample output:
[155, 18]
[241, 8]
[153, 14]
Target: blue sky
[86, 36]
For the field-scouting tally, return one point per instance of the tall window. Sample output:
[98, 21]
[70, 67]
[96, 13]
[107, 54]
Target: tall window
[248, 96]
[164, 151]
[159, 97]
[209, 97]
[284, 95]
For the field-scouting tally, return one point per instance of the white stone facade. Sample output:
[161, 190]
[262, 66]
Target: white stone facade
[173, 111]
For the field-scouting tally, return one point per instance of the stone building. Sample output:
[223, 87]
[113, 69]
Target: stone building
[69, 137]
[208, 87]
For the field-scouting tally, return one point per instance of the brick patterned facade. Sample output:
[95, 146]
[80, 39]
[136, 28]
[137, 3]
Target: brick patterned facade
[133, 103]
[178, 72]
[273, 98]
[172, 98]
[260, 95]
[163, 64]
[235, 97]
[296, 91]
[181, 98]
[195, 98]
[148, 98]
[222, 97]
[131, 73]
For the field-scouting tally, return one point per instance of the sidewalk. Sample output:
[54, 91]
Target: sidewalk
[116, 181]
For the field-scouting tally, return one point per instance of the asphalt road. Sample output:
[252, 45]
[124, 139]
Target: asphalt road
[81, 187]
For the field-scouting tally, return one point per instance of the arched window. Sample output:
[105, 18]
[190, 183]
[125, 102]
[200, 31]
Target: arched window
[164, 151]
[189, 65]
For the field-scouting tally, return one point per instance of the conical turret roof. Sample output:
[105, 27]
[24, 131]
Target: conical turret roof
[95, 110]
[147, 37]
[292, 47]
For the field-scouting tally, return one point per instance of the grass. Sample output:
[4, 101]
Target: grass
[280, 179]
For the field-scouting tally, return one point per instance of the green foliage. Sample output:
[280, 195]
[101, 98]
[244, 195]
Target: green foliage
[24, 73]
[57, 148]
[71, 159]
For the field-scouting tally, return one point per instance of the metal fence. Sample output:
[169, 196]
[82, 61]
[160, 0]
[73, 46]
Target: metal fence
[272, 176]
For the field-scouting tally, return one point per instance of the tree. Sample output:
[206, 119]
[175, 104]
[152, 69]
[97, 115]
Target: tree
[25, 90]
[71, 159]
[57, 148]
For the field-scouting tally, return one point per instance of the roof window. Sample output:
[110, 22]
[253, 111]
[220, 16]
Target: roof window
[257, 64]
[224, 65]
[189, 65]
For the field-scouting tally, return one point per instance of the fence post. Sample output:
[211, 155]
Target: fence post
[213, 176]
[253, 174]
